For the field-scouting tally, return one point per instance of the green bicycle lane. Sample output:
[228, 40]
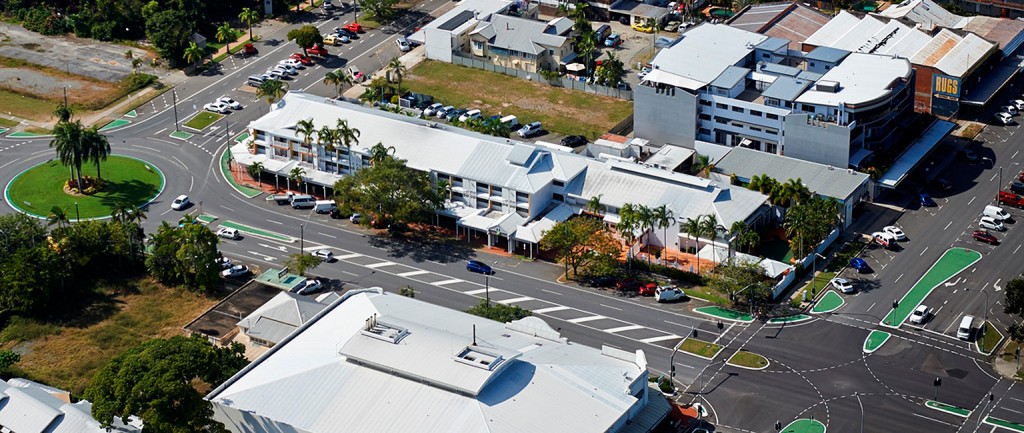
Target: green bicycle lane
[952, 262]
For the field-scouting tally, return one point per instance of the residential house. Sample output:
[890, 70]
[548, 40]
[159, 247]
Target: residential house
[521, 43]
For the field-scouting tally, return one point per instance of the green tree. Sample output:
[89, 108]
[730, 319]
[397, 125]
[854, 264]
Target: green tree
[398, 71]
[348, 136]
[307, 130]
[30, 281]
[295, 175]
[339, 79]
[1014, 302]
[226, 35]
[305, 36]
[326, 137]
[809, 222]
[67, 142]
[741, 279]
[249, 17]
[255, 169]
[693, 228]
[96, 147]
[499, 312]
[58, 217]
[703, 165]
[158, 380]
[18, 231]
[7, 359]
[382, 11]
[169, 30]
[663, 218]
[193, 54]
[380, 153]
[389, 191]
[709, 227]
[196, 258]
[302, 262]
[578, 242]
[612, 71]
[163, 261]
[594, 205]
[743, 236]
[63, 112]
[272, 90]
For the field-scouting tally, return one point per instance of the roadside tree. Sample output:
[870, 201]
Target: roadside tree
[339, 79]
[193, 54]
[383, 11]
[1014, 304]
[248, 17]
[168, 30]
[301, 262]
[226, 34]
[389, 191]
[272, 90]
[305, 37]
[580, 242]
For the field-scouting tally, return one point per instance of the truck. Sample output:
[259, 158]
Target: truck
[1011, 199]
[282, 199]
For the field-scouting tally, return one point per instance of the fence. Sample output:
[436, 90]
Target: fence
[564, 82]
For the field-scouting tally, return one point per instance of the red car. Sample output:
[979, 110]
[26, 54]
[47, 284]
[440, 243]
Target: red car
[302, 58]
[648, 289]
[248, 50]
[985, 236]
[317, 50]
[354, 27]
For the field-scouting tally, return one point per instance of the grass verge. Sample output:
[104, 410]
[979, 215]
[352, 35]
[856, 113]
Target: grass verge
[704, 349]
[820, 283]
[748, 360]
[990, 340]
[7, 123]
[67, 355]
[203, 120]
[560, 110]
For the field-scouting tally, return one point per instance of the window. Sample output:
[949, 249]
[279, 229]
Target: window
[558, 197]
[551, 52]
[755, 129]
[772, 116]
[755, 113]
[737, 109]
[705, 102]
[704, 116]
[559, 183]
[812, 64]
[496, 191]
[721, 105]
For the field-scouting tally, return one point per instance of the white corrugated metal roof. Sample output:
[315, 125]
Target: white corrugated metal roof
[834, 30]
[924, 12]
[305, 384]
[862, 78]
[968, 52]
[835, 182]
[705, 52]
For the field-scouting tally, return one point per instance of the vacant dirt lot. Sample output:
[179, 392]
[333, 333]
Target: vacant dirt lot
[91, 58]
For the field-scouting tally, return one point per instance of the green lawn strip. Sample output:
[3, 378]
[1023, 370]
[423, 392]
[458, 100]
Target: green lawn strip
[725, 314]
[991, 420]
[25, 134]
[700, 348]
[805, 425]
[203, 120]
[875, 340]
[990, 340]
[226, 171]
[8, 123]
[948, 408]
[40, 188]
[952, 262]
[131, 114]
[182, 135]
[821, 282]
[749, 360]
[235, 47]
[257, 232]
[114, 124]
[790, 319]
[829, 302]
[241, 137]
[206, 218]
[561, 110]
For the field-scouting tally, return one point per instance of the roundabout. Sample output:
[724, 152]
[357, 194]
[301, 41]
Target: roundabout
[125, 179]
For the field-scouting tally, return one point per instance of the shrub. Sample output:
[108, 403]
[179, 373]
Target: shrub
[687, 277]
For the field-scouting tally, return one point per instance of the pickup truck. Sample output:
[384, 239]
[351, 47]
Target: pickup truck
[1011, 199]
[282, 199]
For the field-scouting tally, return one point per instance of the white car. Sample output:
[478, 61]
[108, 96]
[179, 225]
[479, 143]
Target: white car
[356, 218]
[308, 286]
[530, 130]
[920, 315]
[471, 114]
[287, 69]
[1009, 109]
[228, 233]
[842, 284]
[224, 262]
[895, 232]
[235, 271]
[884, 239]
[293, 63]
[403, 44]
[430, 110]
[990, 223]
[668, 294]
[324, 255]
[217, 107]
[229, 102]
[1004, 118]
[277, 74]
[1018, 104]
[180, 202]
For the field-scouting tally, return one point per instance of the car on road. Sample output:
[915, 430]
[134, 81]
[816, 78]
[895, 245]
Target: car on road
[990, 223]
[324, 255]
[1003, 118]
[443, 111]
[895, 232]
[471, 114]
[235, 271]
[530, 130]
[403, 44]
[920, 315]
[301, 58]
[613, 41]
[248, 50]
[432, 108]
[574, 141]
[328, 6]
[843, 285]
[860, 265]
[356, 218]
[229, 233]
[217, 107]
[356, 74]
[235, 105]
[309, 286]
[180, 202]
[926, 200]
[293, 63]
[479, 267]
[669, 294]
[984, 236]
[643, 28]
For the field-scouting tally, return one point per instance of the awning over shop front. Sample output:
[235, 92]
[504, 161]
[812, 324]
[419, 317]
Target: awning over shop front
[915, 153]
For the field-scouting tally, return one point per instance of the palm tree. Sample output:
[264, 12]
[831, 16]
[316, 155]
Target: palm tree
[306, 128]
[594, 205]
[96, 147]
[120, 212]
[645, 221]
[249, 16]
[379, 153]
[296, 175]
[664, 218]
[58, 217]
[744, 235]
[693, 228]
[67, 141]
[703, 165]
[709, 226]
[628, 222]
[63, 112]
[272, 90]
[255, 169]
[793, 191]
[339, 79]
[136, 214]
[348, 137]
[193, 54]
[398, 70]
[326, 137]
[226, 34]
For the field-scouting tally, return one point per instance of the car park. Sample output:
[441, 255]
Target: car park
[180, 202]
[235, 105]
[843, 285]
[257, 80]
[432, 109]
[860, 265]
[479, 267]
[403, 44]
[229, 233]
[920, 315]
[277, 74]
[984, 236]
[301, 58]
[332, 39]
[344, 32]
[235, 271]
[884, 239]
[309, 286]
[926, 200]
[987, 222]
[997, 213]
[574, 141]
[530, 130]
[471, 114]
[217, 107]
[669, 294]
[1003, 118]
[896, 232]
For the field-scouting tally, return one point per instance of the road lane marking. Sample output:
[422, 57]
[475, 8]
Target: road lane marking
[349, 256]
[972, 200]
[551, 292]
[225, 207]
[923, 251]
[586, 319]
[275, 222]
[351, 273]
[379, 265]
[898, 278]
[609, 306]
[413, 273]
[325, 234]
[451, 281]
[662, 338]
[550, 309]
[1015, 249]
[933, 419]
[514, 300]
[947, 226]
[624, 328]
[869, 308]
[478, 291]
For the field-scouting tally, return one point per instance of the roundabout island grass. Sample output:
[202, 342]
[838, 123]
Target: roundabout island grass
[38, 189]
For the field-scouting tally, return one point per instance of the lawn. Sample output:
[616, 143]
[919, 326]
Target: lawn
[820, 283]
[700, 347]
[203, 119]
[40, 188]
[560, 110]
[27, 106]
[7, 123]
[67, 355]
[748, 359]
[989, 339]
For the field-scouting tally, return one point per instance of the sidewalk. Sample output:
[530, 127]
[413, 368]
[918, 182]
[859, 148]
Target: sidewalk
[409, 60]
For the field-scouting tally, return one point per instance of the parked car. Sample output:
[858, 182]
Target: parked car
[356, 74]
[602, 281]
[287, 69]
[403, 44]
[230, 102]
[895, 232]
[301, 58]
[920, 315]
[332, 39]
[1017, 187]
[248, 50]
[884, 239]
[1010, 109]
[471, 114]
[443, 111]
[672, 26]
[343, 32]
[454, 114]
[1018, 104]
[984, 236]
[317, 50]
[354, 27]
[990, 223]
[432, 109]
[926, 200]
[356, 218]
[530, 130]
[224, 262]
[277, 74]
[217, 107]
[648, 289]
[574, 141]
[336, 214]
[235, 271]
[613, 41]
[328, 7]
[628, 284]
[843, 285]
[1003, 118]
[180, 202]
[479, 267]
[860, 265]
[669, 294]
[1011, 199]
[309, 286]
[643, 28]
[229, 233]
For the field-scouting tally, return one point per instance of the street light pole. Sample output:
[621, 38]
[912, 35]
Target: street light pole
[302, 229]
[857, 394]
[487, 289]
[78, 216]
[174, 97]
[814, 273]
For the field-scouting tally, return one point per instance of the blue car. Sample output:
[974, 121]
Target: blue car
[860, 265]
[926, 200]
[479, 267]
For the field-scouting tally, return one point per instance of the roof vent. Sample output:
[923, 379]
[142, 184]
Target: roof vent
[827, 86]
[374, 328]
[479, 357]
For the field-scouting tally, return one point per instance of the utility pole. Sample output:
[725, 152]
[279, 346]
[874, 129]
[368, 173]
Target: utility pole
[302, 229]
[174, 97]
[857, 394]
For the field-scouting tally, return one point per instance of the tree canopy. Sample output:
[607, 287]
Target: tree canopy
[185, 255]
[305, 37]
[499, 312]
[809, 222]
[157, 381]
[389, 191]
[1014, 304]
[580, 242]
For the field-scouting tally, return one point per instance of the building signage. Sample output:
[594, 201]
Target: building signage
[946, 87]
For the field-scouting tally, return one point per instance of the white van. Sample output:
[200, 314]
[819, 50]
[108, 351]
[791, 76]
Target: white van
[324, 206]
[511, 120]
[966, 326]
[303, 202]
[997, 213]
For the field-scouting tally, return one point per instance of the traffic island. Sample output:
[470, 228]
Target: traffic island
[203, 120]
[829, 302]
[789, 319]
[725, 314]
[804, 425]
[114, 124]
[748, 360]
[700, 348]
[39, 189]
[948, 408]
[229, 176]
[989, 340]
[952, 262]
[1010, 425]
[875, 340]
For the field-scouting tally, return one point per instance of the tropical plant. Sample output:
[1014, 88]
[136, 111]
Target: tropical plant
[692, 227]
[248, 17]
[226, 34]
[663, 218]
[629, 222]
[193, 54]
[63, 112]
[67, 142]
[578, 242]
[307, 129]
[339, 79]
[703, 165]
[348, 137]
[301, 262]
[326, 138]
[379, 153]
[389, 191]
[398, 71]
[709, 226]
[255, 169]
[594, 205]
[121, 211]
[96, 147]
[58, 217]
[741, 234]
[793, 191]
[272, 90]
[295, 175]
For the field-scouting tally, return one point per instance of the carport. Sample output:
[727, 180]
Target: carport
[915, 153]
[638, 12]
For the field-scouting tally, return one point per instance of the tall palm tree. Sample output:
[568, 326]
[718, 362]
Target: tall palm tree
[296, 175]
[664, 218]
[397, 70]
[306, 128]
[745, 236]
[226, 34]
[693, 229]
[594, 205]
[136, 214]
[96, 147]
[326, 137]
[193, 54]
[794, 191]
[255, 169]
[703, 165]
[339, 79]
[348, 136]
[272, 90]
[248, 17]
[67, 141]
[120, 212]
[63, 112]
[58, 217]
[379, 153]
[628, 222]
[709, 226]
[645, 220]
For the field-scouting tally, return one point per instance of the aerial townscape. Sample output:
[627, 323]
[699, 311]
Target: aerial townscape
[511, 216]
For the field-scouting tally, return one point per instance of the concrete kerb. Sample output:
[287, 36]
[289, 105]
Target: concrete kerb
[1002, 423]
[868, 349]
[789, 320]
[999, 344]
[948, 408]
[769, 362]
[818, 302]
[229, 178]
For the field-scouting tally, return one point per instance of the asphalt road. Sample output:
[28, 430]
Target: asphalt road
[817, 367]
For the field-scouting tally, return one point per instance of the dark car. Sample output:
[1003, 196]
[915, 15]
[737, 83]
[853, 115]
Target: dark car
[602, 281]
[346, 32]
[1017, 187]
[926, 200]
[860, 265]
[628, 284]
[479, 267]
[985, 236]
[454, 114]
[574, 141]
[336, 214]
[942, 185]
[969, 156]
